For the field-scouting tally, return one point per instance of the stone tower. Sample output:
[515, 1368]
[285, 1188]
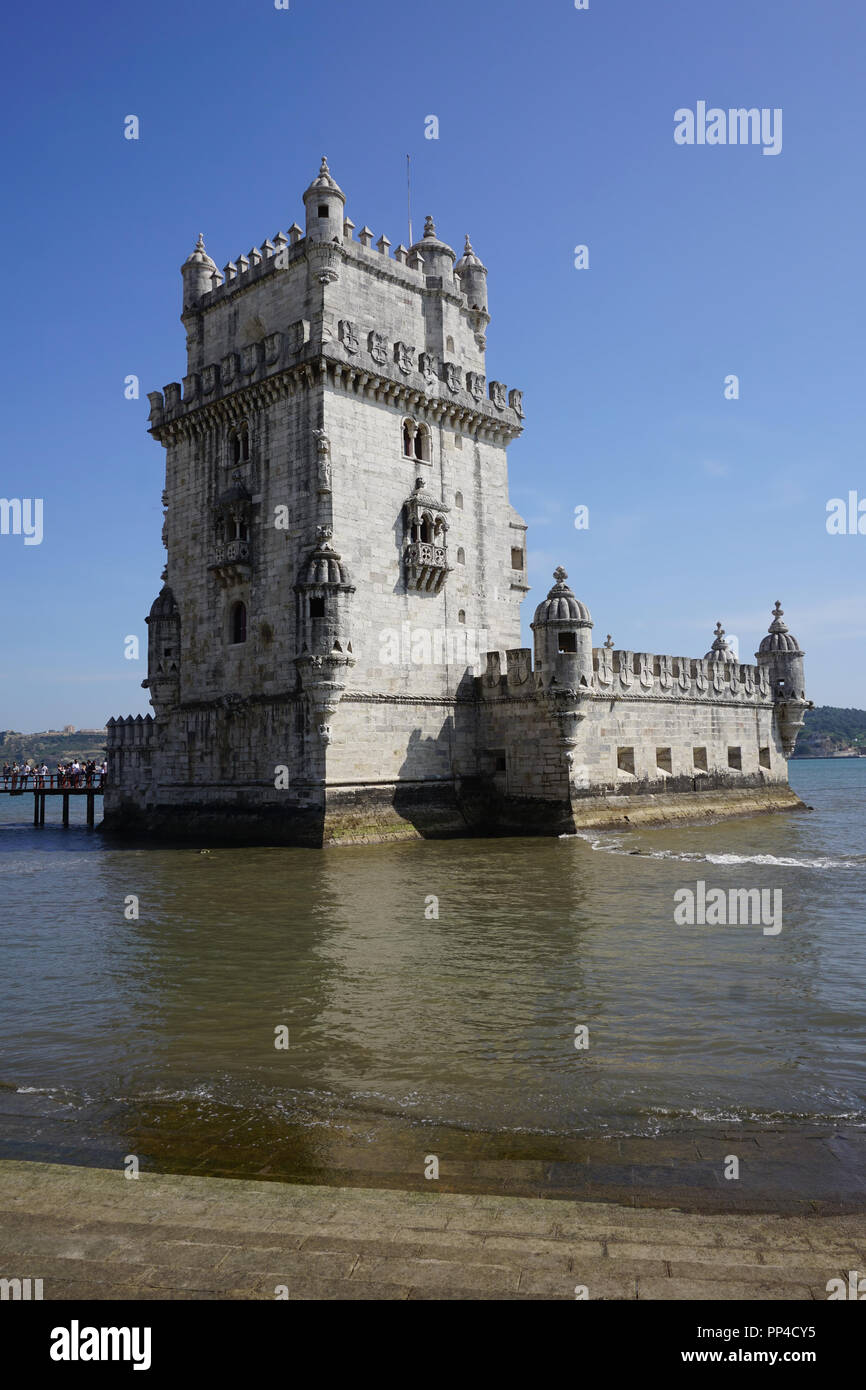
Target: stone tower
[341, 549]
[334, 654]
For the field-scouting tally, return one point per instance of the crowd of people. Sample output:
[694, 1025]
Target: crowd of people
[77, 773]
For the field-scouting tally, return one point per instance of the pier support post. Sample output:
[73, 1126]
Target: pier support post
[66, 808]
[42, 809]
[90, 811]
[35, 808]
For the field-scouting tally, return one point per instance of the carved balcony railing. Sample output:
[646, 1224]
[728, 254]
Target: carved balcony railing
[426, 566]
[232, 562]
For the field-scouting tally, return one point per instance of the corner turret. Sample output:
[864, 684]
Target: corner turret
[781, 655]
[720, 650]
[325, 203]
[437, 255]
[197, 270]
[473, 279]
[563, 638]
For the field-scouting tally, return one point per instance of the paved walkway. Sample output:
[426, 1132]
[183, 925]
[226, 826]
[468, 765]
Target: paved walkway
[93, 1233]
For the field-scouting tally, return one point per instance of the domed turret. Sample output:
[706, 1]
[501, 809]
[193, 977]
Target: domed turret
[325, 203]
[563, 637]
[778, 638]
[324, 642]
[780, 652]
[163, 652]
[163, 606]
[473, 278]
[197, 270]
[438, 256]
[720, 651]
[324, 566]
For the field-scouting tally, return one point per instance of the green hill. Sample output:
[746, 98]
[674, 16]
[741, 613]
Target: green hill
[829, 731]
[50, 748]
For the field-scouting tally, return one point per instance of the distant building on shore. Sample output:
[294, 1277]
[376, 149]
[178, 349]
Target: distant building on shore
[341, 547]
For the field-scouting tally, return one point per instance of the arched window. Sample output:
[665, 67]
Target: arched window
[461, 616]
[239, 444]
[461, 556]
[422, 444]
[458, 500]
[238, 624]
[408, 451]
[426, 528]
[449, 344]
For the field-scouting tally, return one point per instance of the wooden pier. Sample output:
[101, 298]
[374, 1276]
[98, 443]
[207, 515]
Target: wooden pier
[65, 786]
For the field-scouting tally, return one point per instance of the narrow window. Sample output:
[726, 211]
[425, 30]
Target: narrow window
[461, 556]
[516, 558]
[568, 641]
[449, 344]
[238, 623]
[458, 501]
[663, 760]
[323, 209]
[764, 757]
[735, 759]
[422, 444]
[700, 759]
[625, 760]
[317, 608]
[461, 616]
[458, 441]
[407, 440]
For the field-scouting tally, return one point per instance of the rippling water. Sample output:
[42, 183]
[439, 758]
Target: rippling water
[466, 1019]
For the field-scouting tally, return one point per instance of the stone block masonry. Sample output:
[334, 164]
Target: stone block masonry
[336, 470]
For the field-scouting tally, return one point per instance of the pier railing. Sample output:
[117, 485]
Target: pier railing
[52, 782]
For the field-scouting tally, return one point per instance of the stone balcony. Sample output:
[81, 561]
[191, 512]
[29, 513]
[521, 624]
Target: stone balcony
[426, 566]
[232, 562]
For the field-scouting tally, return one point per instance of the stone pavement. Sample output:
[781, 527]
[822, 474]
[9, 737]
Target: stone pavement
[94, 1234]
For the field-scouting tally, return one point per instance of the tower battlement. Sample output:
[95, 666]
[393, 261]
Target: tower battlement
[336, 473]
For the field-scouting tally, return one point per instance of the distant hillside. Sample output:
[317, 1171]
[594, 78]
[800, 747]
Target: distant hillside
[50, 748]
[829, 731]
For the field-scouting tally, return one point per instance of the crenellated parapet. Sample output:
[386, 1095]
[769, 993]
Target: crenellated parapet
[290, 275]
[630, 675]
[135, 731]
[566, 661]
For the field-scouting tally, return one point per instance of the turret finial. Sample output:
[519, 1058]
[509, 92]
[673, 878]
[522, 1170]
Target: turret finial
[778, 625]
[199, 246]
[429, 226]
[324, 169]
[609, 643]
[560, 574]
[467, 250]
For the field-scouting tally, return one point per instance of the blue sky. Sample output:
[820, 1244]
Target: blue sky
[556, 129]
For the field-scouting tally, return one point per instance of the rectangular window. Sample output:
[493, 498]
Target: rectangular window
[735, 759]
[664, 760]
[323, 209]
[764, 757]
[516, 558]
[317, 608]
[700, 759]
[625, 760]
[568, 641]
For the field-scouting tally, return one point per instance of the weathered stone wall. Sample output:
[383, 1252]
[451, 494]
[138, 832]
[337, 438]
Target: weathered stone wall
[316, 350]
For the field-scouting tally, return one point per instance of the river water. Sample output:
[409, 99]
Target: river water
[430, 992]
